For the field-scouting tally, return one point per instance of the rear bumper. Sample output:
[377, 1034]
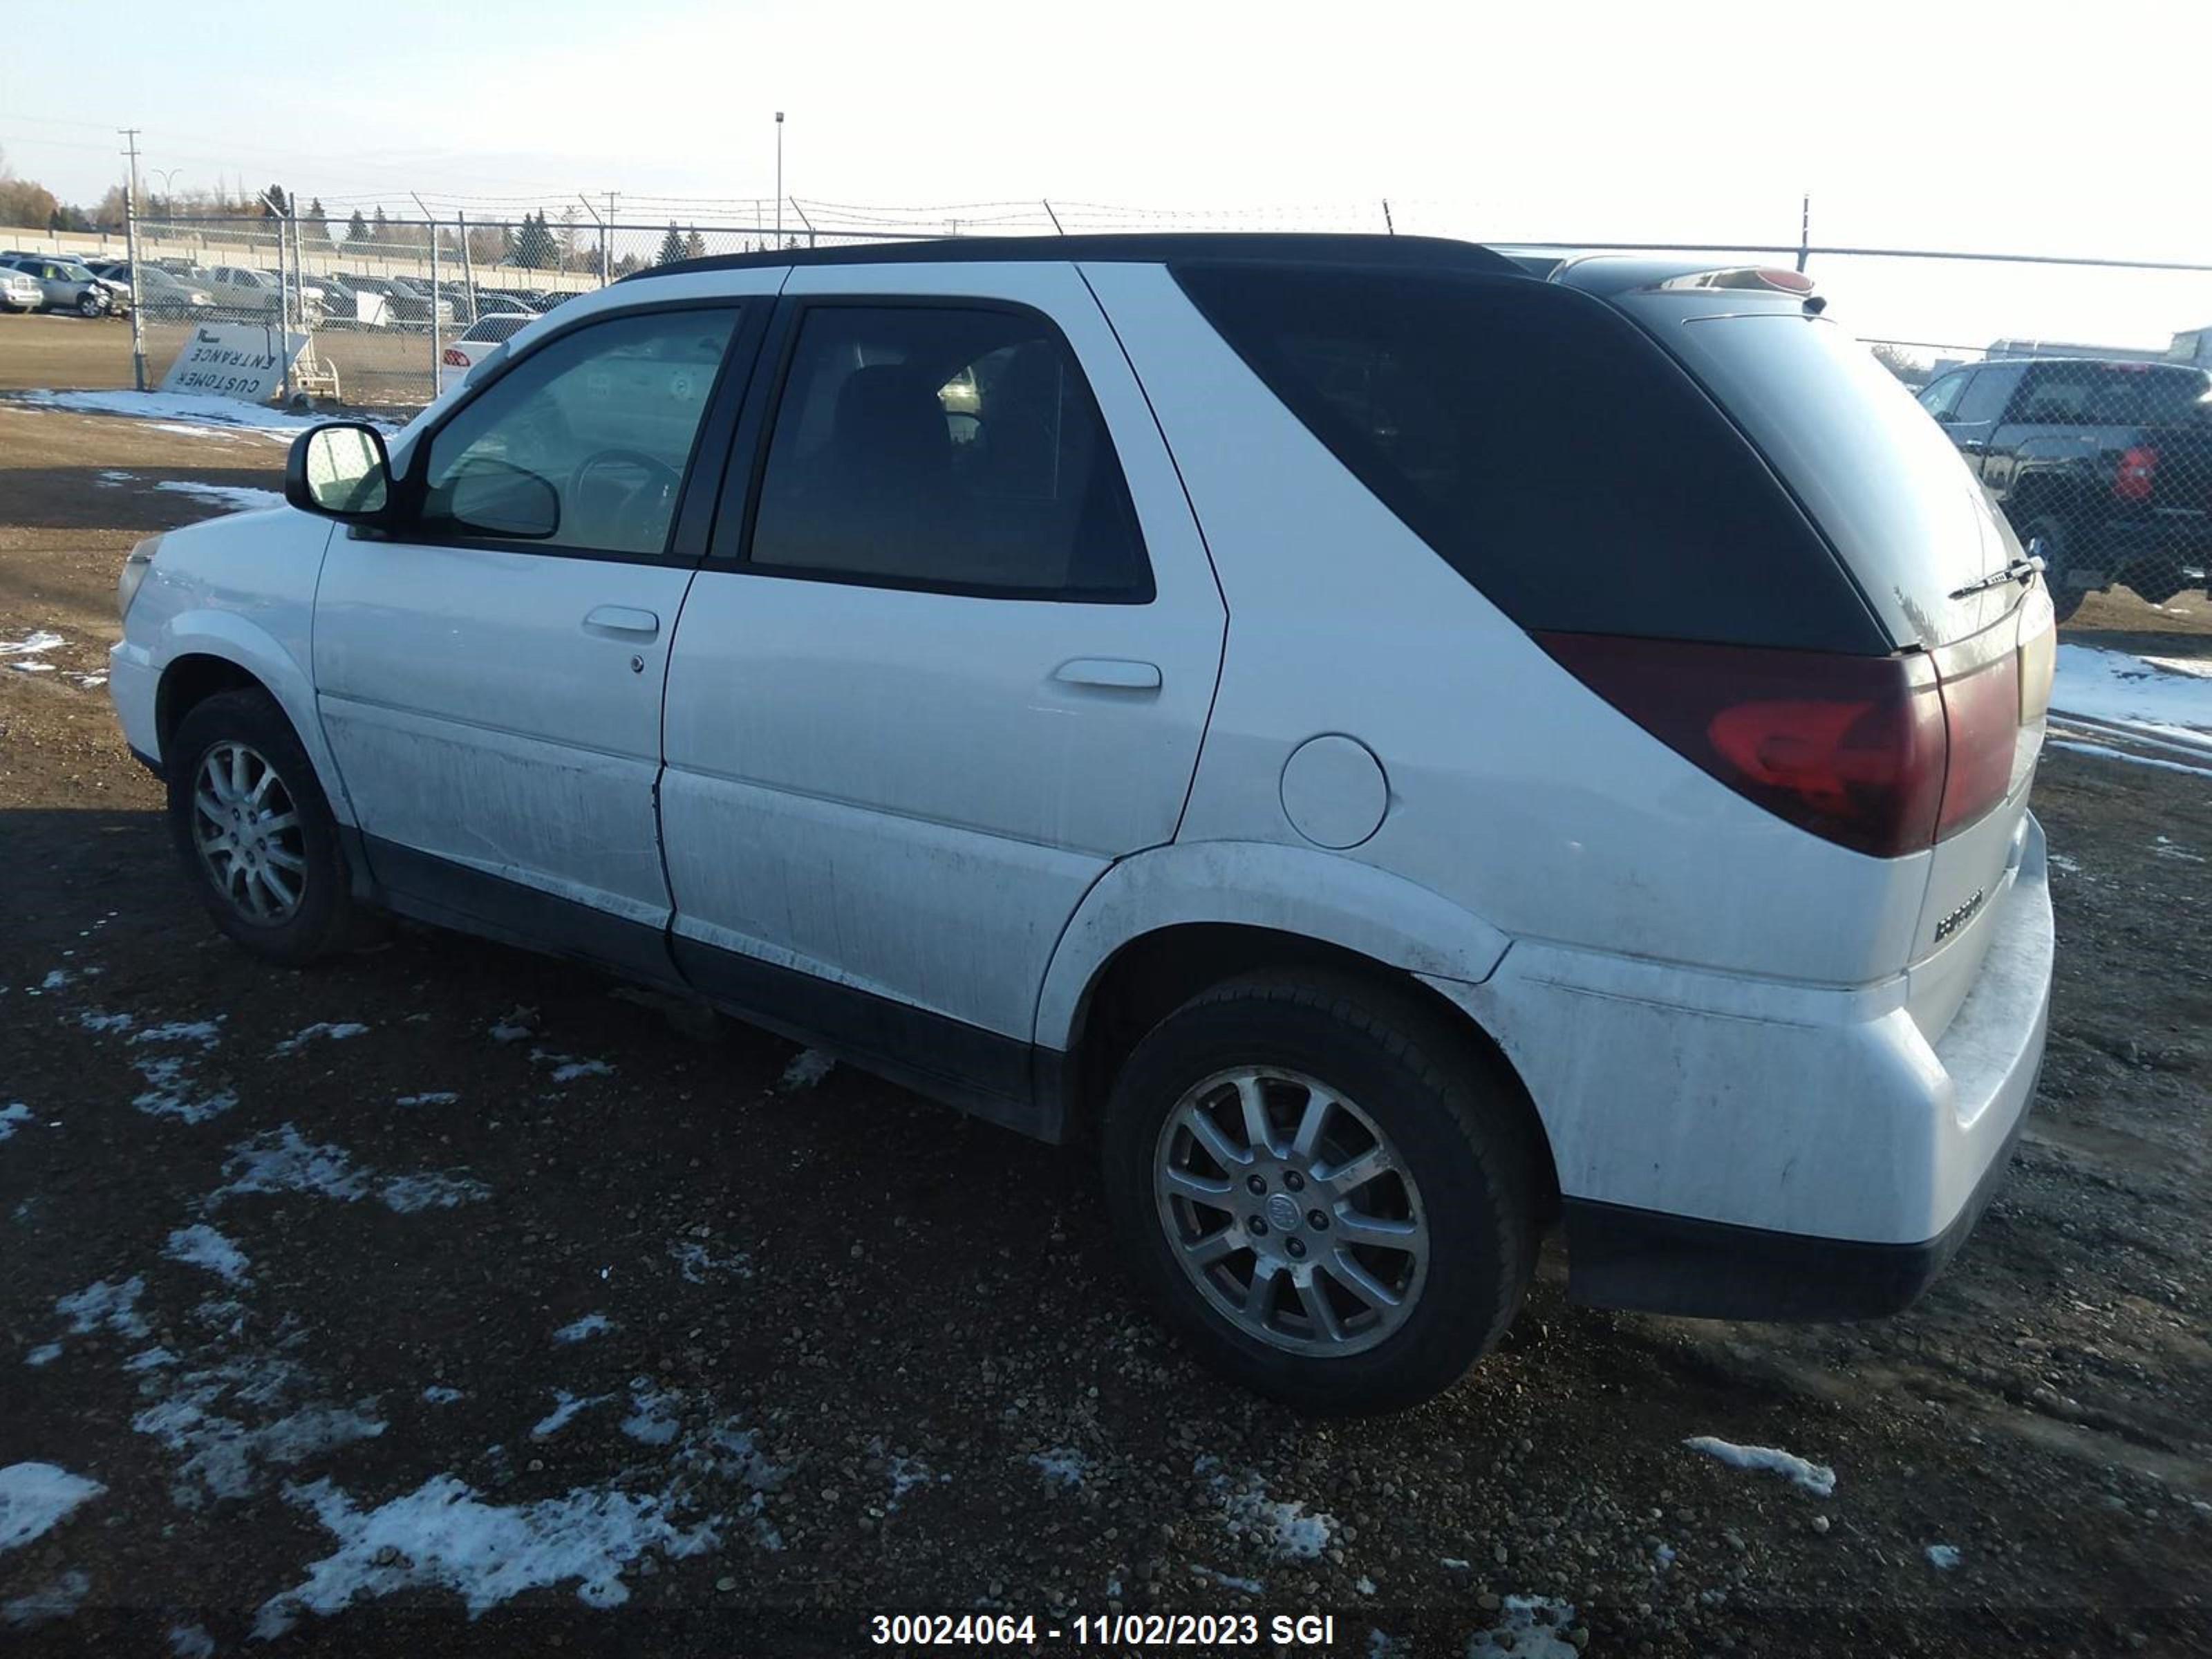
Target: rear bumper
[1738, 1148]
[1671, 1264]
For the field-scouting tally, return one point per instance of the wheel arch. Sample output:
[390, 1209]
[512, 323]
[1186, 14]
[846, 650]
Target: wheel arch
[1135, 955]
[211, 652]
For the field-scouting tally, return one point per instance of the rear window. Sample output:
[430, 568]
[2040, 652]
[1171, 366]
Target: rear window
[1881, 479]
[1546, 448]
[499, 328]
[2110, 394]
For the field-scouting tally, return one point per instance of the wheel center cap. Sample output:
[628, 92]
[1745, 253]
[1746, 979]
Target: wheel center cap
[1283, 1212]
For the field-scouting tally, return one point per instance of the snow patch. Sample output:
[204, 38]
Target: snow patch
[567, 1068]
[1062, 1466]
[32, 644]
[1528, 1627]
[104, 1022]
[198, 414]
[808, 1069]
[33, 1497]
[700, 1266]
[191, 1642]
[516, 1025]
[174, 1091]
[45, 1354]
[2105, 751]
[201, 1246]
[590, 1325]
[438, 1394]
[1944, 1557]
[105, 1303]
[239, 498]
[56, 1601]
[1816, 1478]
[2142, 693]
[204, 1032]
[441, 1535]
[1227, 1580]
[332, 1031]
[1284, 1530]
[221, 1455]
[652, 1418]
[565, 1407]
[283, 1160]
[431, 1097]
[13, 1113]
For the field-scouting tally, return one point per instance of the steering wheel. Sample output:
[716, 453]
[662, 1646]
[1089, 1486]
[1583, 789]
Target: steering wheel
[660, 471]
[661, 481]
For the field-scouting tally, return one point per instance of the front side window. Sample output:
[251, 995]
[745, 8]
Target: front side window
[1941, 399]
[935, 447]
[1985, 398]
[584, 443]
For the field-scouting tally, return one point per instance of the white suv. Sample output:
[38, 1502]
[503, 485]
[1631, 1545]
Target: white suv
[1405, 746]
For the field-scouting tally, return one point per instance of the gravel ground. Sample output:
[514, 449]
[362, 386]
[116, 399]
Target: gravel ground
[452, 1295]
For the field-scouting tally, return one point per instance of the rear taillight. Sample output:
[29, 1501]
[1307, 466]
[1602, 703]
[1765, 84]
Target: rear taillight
[454, 359]
[2132, 482]
[1873, 753]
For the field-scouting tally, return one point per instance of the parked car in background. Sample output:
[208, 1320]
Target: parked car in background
[406, 306]
[255, 295]
[164, 296]
[64, 284]
[2105, 465]
[484, 337]
[116, 286]
[1577, 778]
[19, 290]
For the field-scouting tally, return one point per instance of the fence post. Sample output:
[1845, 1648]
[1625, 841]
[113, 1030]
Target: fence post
[437, 337]
[467, 262]
[130, 251]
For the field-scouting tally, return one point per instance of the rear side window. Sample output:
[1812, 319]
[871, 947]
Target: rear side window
[1544, 448]
[938, 447]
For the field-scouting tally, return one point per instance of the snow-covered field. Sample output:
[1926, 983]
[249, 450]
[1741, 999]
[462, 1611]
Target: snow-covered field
[188, 412]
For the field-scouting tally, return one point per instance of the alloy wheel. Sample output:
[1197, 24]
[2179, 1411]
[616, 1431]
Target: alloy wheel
[247, 829]
[1290, 1212]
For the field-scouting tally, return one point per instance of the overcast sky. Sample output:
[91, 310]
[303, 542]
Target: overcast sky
[2022, 127]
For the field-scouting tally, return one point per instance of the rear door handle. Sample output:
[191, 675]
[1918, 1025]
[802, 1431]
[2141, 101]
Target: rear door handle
[1113, 673]
[622, 621]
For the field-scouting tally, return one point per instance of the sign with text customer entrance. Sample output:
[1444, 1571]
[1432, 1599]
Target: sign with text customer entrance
[234, 360]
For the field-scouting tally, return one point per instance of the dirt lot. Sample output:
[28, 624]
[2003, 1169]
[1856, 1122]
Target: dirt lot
[290, 1259]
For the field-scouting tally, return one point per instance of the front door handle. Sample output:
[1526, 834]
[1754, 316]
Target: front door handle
[621, 621]
[1113, 673]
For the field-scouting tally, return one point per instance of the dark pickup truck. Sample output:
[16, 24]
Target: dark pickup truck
[2108, 463]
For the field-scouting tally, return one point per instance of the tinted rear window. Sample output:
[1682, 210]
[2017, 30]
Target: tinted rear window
[1543, 447]
[1879, 476]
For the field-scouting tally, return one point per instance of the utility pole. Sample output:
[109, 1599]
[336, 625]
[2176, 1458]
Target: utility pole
[1054, 217]
[1388, 229]
[602, 224]
[779, 177]
[611, 227]
[130, 253]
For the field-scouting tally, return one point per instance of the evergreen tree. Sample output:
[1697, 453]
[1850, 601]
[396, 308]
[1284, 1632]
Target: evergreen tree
[693, 248]
[356, 229]
[315, 228]
[672, 247]
[534, 248]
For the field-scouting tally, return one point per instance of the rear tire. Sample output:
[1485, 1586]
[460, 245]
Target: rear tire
[254, 830]
[2066, 599]
[1448, 1225]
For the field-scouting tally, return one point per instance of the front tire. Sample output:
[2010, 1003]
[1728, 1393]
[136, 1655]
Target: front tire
[254, 830]
[1326, 1194]
[88, 305]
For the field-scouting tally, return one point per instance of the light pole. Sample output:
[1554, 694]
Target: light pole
[168, 177]
[779, 177]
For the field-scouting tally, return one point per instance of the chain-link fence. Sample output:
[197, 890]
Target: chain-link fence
[2079, 391]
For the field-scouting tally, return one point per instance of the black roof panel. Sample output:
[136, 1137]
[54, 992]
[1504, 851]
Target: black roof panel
[1406, 253]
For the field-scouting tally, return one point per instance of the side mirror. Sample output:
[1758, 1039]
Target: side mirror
[340, 471]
